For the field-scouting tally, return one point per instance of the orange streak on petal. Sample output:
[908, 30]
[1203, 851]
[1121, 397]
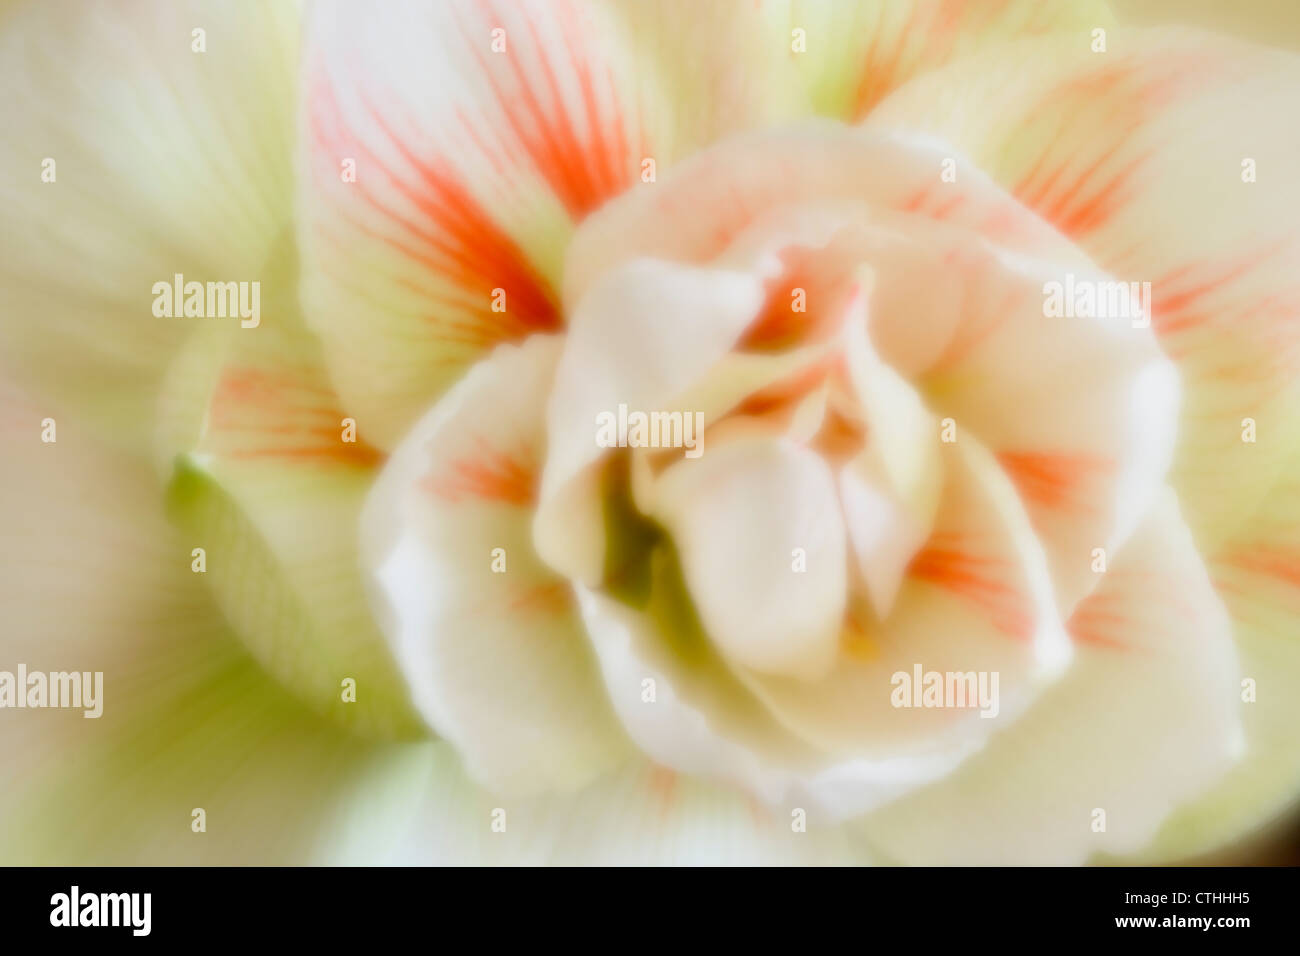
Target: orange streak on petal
[1093, 624]
[1282, 566]
[347, 453]
[976, 578]
[1053, 479]
[553, 597]
[663, 783]
[584, 166]
[255, 414]
[455, 238]
[789, 389]
[489, 475]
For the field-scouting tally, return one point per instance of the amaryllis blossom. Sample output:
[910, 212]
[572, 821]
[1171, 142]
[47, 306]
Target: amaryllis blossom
[368, 579]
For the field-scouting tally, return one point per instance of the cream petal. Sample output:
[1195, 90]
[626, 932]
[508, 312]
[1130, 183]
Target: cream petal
[857, 51]
[706, 203]
[1147, 717]
[1257, 573]
[268, 478]
[743, 517]
[487, 635]
[1144, 156]
[708, 70]
[977, 599]
[690, 709]
[1080, 411]
[891, 490]
[477, 133]
[642, 815]
[647, 334]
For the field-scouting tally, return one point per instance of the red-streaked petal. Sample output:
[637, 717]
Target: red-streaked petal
[269, 471]
[1082, 410]
[646, 336]
[470, 166]
[1145, 720]
[977, 599]
[488, 636]
[860, 50]
[1141, 155]
[708, 201]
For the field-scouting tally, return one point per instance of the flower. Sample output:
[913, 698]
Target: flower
[373, 561]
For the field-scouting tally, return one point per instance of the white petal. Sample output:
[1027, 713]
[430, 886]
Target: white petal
[487, 636]
[738, 517]
[976, 600]
[1146, 718]
[1144, 156]
[645, 334]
